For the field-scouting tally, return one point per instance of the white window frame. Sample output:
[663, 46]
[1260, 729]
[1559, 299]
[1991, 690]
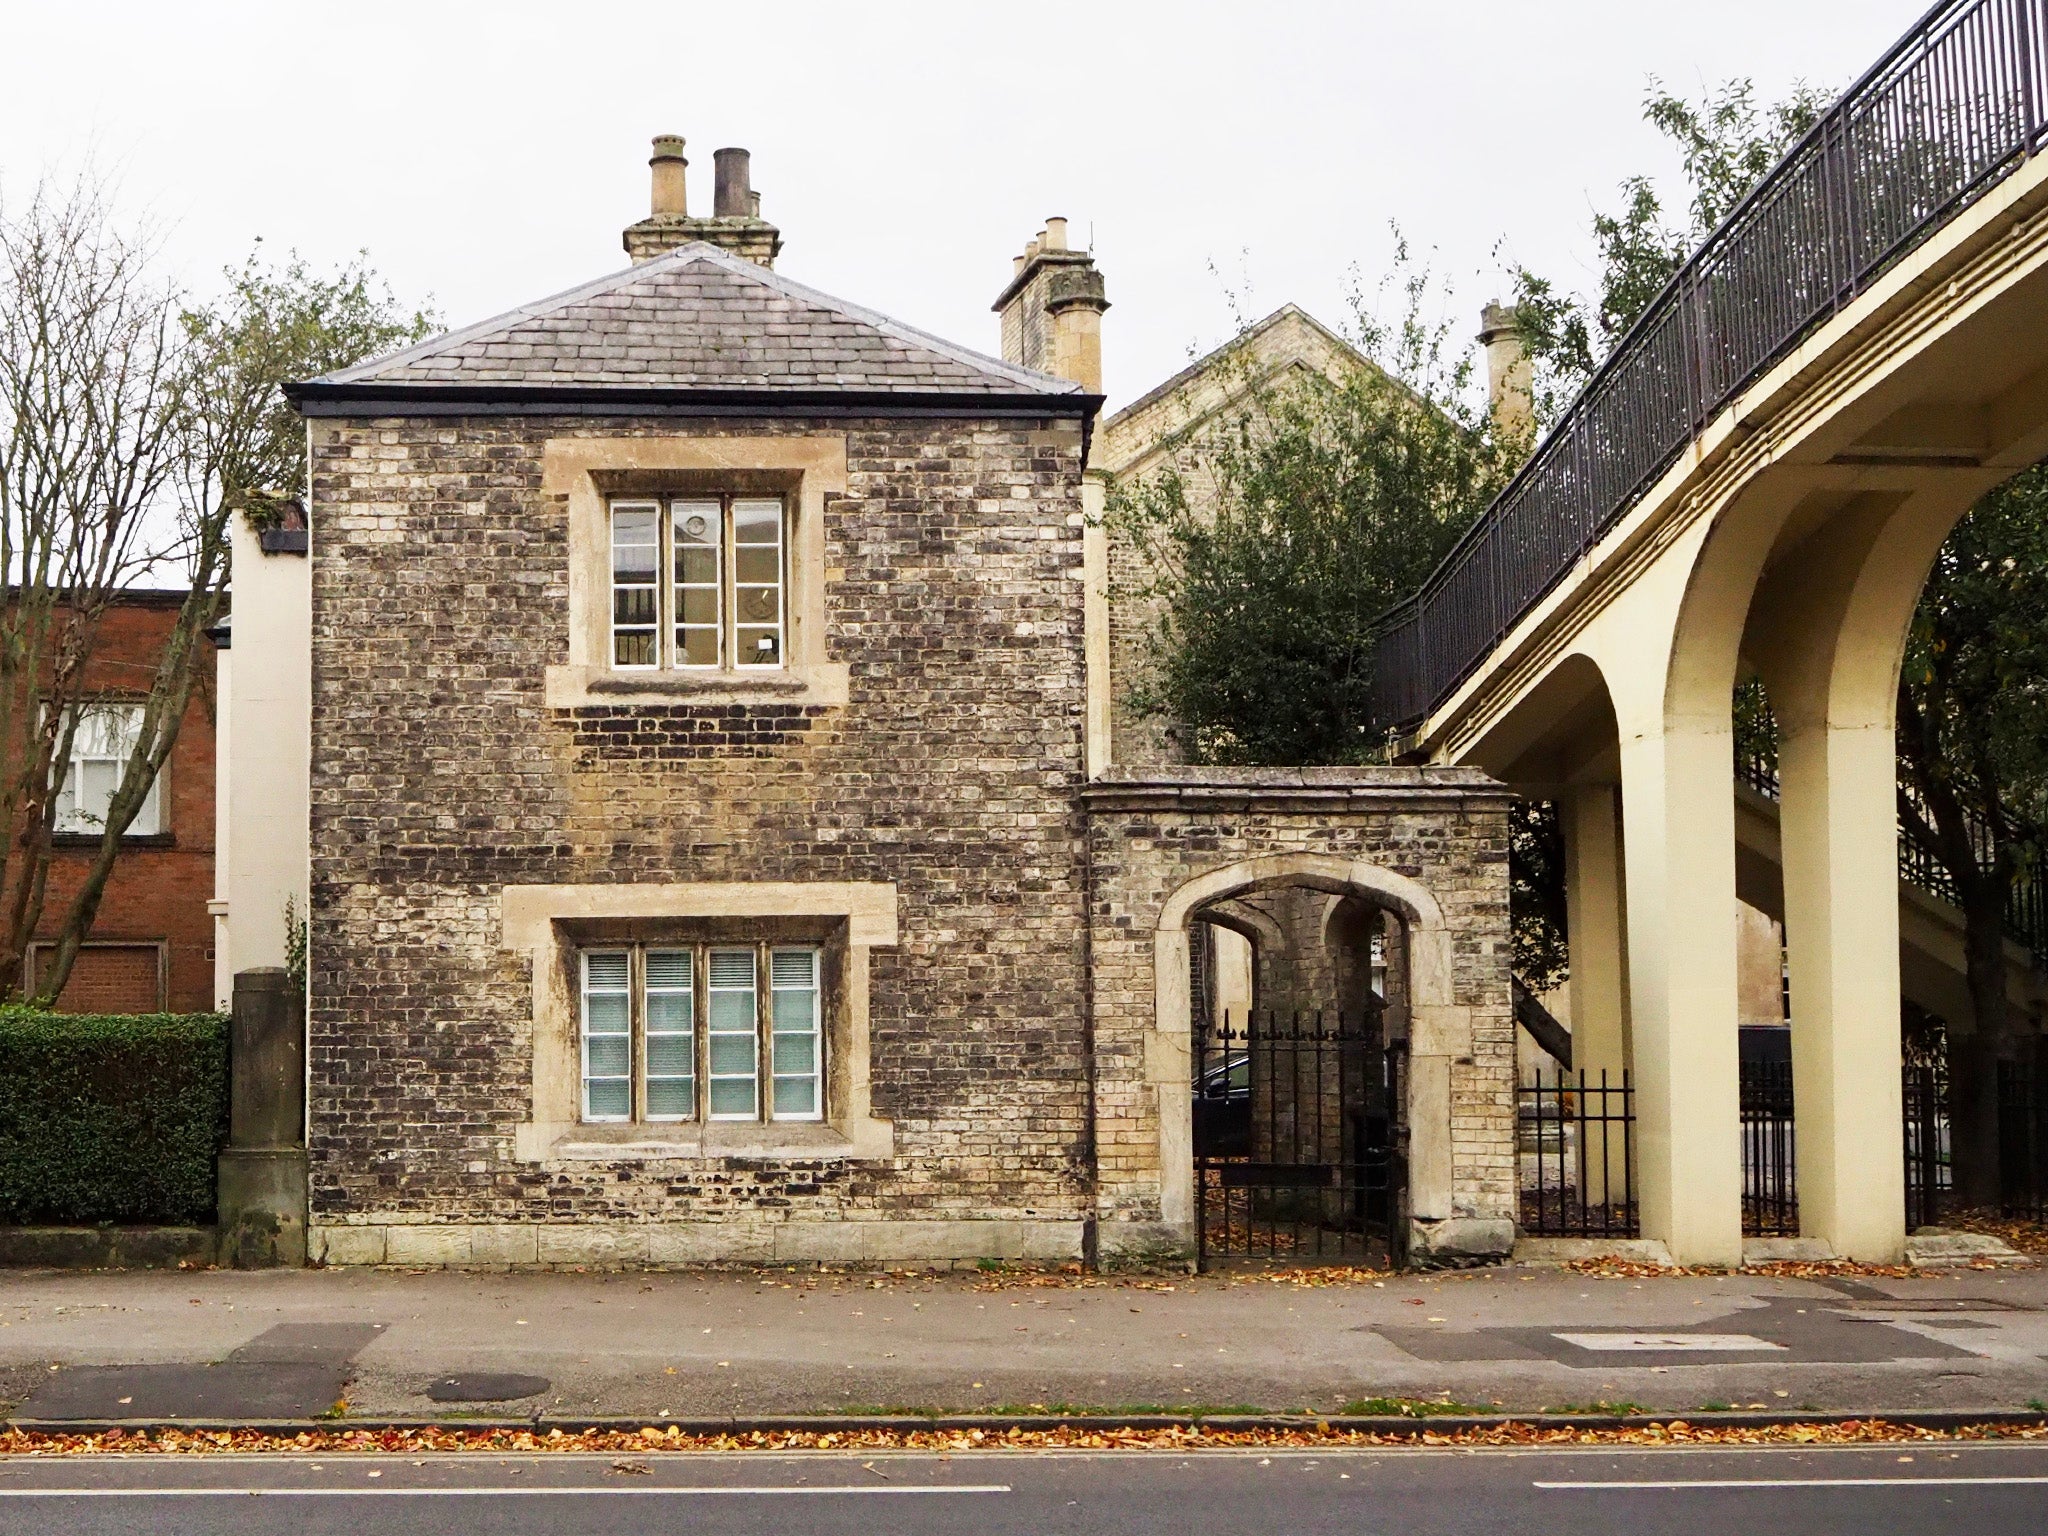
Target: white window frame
[764, 1033]
[148, 820]
[668, 613]
[813, 988]
[649, 990]
[584, 1033]
[613, 628]
[712, 1033]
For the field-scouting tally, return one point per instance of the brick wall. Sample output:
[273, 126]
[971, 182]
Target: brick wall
[159, 887]
[440, 585]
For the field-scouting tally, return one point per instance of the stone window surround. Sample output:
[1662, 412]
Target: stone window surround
[542, 921]
[586, 472]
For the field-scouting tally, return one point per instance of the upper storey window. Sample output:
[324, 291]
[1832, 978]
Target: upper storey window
[698, 583]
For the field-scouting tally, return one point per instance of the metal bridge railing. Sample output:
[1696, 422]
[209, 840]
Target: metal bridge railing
[1953, 108]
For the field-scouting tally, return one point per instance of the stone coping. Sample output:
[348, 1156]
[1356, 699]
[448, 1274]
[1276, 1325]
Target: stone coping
[107, 1247]
[1145, 788]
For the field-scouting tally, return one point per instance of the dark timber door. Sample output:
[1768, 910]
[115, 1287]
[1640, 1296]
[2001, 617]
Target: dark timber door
[1297, 1141]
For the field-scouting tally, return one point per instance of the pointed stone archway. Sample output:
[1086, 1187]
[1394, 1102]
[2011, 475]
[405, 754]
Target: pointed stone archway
[1428, 846]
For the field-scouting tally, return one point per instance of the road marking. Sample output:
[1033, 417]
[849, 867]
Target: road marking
[471, 1493]
[1671, 1343]
[1812, 1482]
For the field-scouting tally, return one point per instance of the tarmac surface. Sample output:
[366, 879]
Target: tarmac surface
[1953, 1491]
[160, 1345]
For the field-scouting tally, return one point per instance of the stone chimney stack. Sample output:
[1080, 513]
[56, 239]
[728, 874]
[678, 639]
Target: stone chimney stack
[735, 224]
[1052, 310]
[1510, 380]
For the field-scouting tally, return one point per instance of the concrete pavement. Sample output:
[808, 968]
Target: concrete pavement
[157, 1345]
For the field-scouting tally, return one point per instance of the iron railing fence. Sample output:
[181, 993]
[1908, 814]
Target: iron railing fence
[1930, 1175]
[2026, 904]
[2023, 1138]
[1952, 109]
[1297, 1140]
[1770, 1189]
[1578, 1156]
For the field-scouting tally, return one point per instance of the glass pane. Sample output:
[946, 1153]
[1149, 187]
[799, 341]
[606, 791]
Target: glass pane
[796, 1096]
[760, 648]
[613, 1100]
[669, 1056]
[696, 522]
[796, 1055]
[759, 605]
[697, 647]
[733, 1011]
[610, 1056]
[793, 967]
[757, 522]
[697, 564]
[699, 605]
[632, 605]
[605, 969]
[669, 968]
[796, 1010]
[668, 1013]
[733, 1097]
[757, 565]
[606, 1014]
[671, 1097]
[732, 968]
[732, 1055]
[636, 541]
[633, 649]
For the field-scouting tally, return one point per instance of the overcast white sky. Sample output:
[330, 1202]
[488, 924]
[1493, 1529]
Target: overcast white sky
[486, 155]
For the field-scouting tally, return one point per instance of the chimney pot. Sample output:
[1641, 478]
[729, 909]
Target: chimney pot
[731, 197]
[671, 197]
[1054, 237]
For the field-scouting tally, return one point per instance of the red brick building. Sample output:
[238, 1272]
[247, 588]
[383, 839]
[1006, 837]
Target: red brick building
[151, 946]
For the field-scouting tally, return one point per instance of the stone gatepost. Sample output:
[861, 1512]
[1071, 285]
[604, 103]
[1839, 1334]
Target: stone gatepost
[263, 1169]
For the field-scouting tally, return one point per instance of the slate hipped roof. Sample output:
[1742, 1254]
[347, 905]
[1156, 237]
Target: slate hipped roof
[697, 321]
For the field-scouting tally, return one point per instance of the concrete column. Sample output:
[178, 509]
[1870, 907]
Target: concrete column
[1594, 896]
[1678, 823]
[1842, 941]
[263, 1170]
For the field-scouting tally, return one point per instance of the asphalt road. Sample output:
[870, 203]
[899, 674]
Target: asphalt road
[1899, 1491]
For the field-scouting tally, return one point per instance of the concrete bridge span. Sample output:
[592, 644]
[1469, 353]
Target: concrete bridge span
[1790, 537]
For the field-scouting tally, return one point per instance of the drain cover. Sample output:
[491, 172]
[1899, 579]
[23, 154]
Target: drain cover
[484, 1387]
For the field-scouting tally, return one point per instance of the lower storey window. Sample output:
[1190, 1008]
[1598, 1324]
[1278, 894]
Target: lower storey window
[714, 1031]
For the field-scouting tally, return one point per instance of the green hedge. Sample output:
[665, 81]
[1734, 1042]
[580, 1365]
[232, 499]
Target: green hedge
[111, 1117]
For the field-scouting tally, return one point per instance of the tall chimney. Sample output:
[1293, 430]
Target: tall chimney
[1510, 379]
[732, 199]
[671, 199]
[1052, 309]
[736, 224]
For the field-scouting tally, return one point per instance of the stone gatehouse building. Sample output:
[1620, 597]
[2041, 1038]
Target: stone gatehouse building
[714, 847]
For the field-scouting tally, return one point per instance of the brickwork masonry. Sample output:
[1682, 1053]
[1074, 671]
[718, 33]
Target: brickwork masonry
[440, 776]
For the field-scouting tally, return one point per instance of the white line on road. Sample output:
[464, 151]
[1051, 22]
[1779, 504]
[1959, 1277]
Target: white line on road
[1810, 1482]
[1672, 1343]
[467, 1493]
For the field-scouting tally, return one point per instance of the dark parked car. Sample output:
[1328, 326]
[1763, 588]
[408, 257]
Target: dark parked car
[1223, 1109]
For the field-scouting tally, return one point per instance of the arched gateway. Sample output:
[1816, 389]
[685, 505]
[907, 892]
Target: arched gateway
[1425, 846]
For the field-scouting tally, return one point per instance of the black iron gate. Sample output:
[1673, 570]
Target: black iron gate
[1298, 1141]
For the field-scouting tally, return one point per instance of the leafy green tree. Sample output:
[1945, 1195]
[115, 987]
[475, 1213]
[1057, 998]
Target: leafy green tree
[1270, 543]
[135, 423]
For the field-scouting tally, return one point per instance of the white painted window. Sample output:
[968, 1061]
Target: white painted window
[686, 1031]
[734, 1036]
[700, 583]
[100, 748]
[795, 1039]
[636, 585]
[607, 1034]
[670, 1055]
